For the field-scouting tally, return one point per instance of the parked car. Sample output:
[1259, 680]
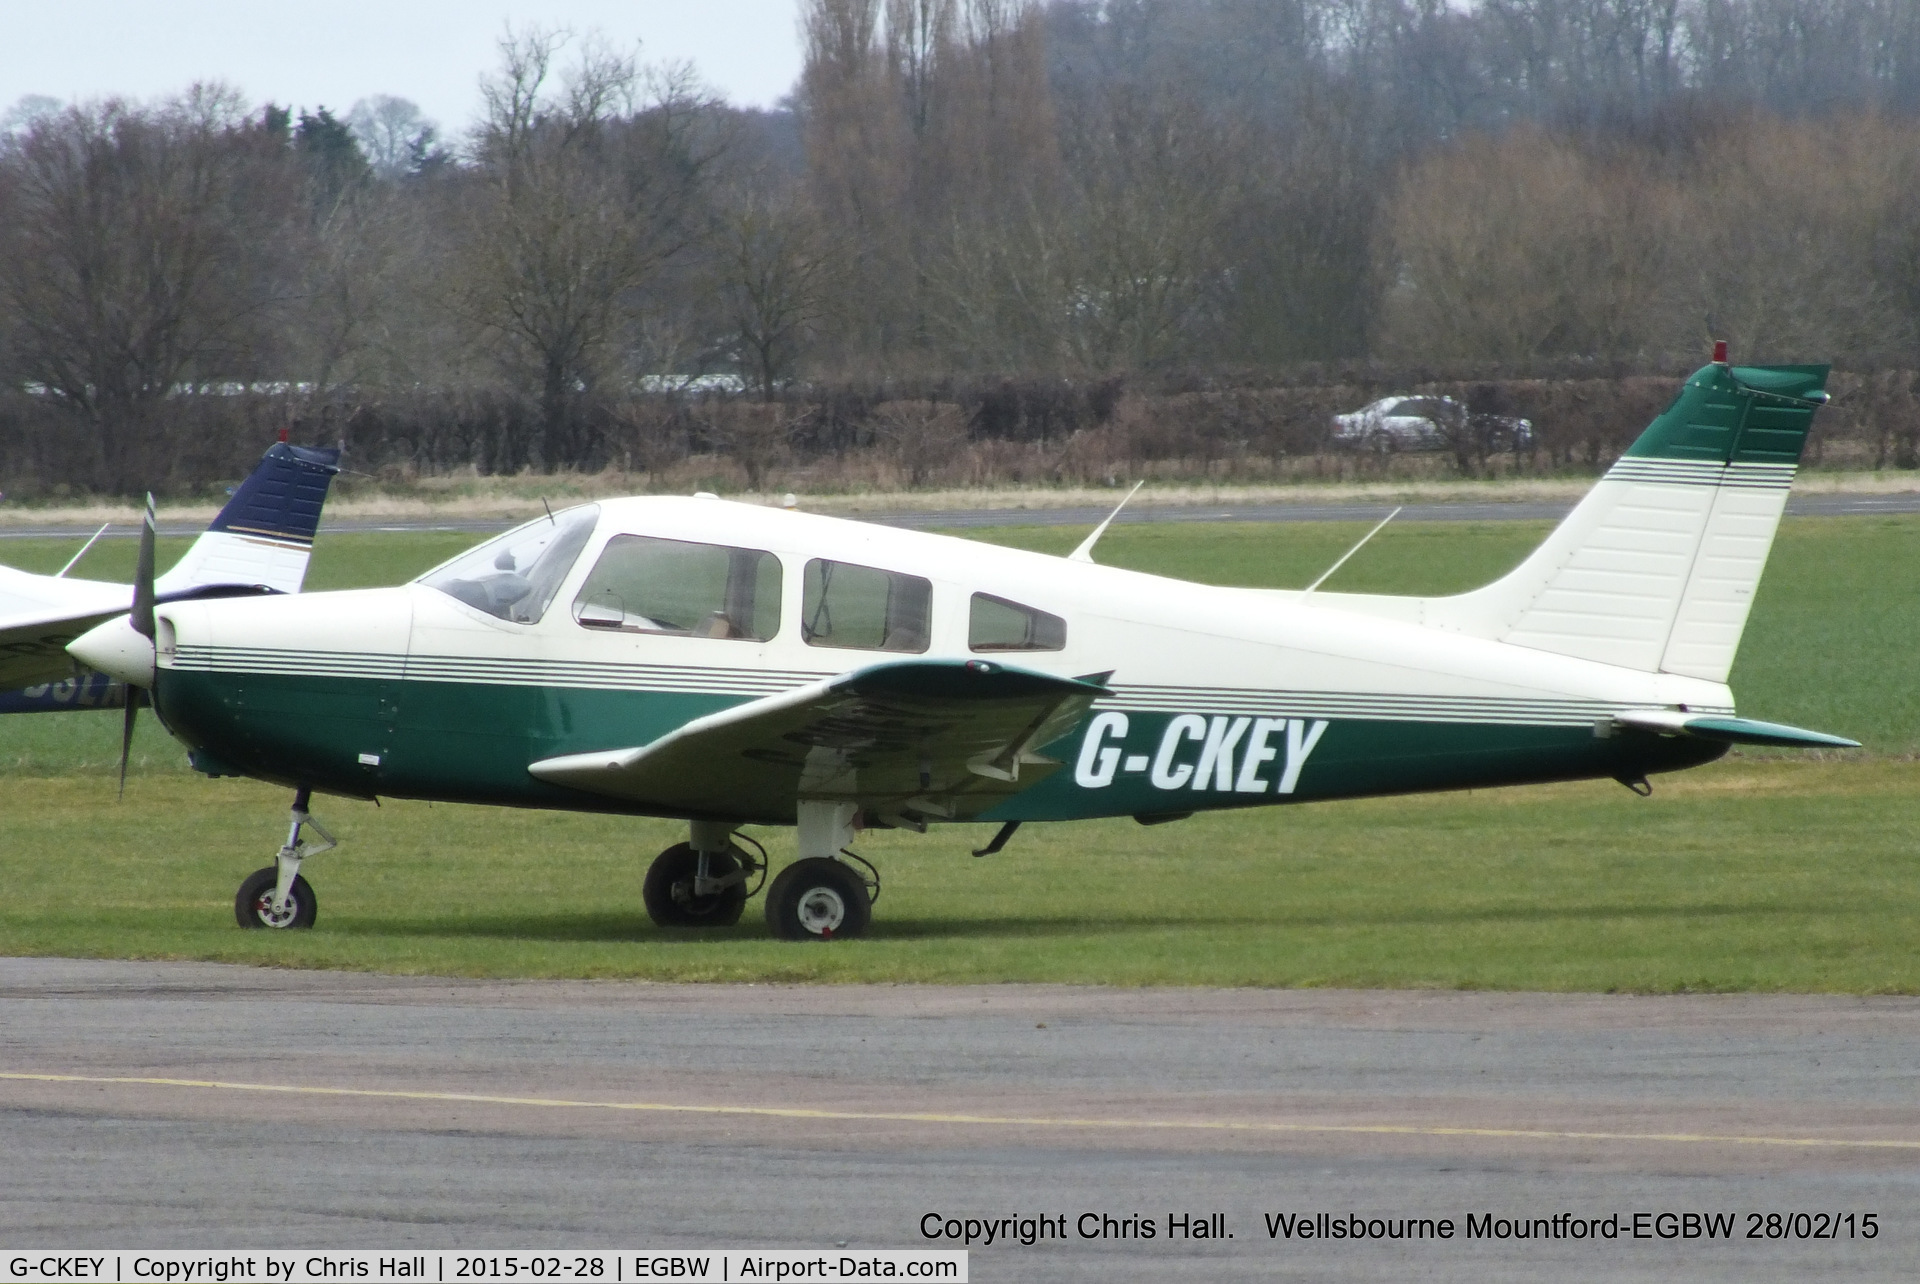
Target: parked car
[1424, 422]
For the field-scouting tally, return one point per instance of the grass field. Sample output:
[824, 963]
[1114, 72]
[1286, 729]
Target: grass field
[1760, 872]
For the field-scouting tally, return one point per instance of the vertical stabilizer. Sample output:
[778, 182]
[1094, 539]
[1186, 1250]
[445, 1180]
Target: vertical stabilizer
[264, 535]
[1656, 568]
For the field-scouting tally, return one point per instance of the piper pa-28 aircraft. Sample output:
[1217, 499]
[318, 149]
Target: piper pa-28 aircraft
[258, 542]
[733, 665]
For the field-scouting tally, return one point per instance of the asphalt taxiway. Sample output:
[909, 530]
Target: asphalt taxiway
[161, 1105]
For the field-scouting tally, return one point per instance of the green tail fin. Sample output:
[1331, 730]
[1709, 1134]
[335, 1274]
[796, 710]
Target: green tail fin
[1737, 415]
[1656, 568]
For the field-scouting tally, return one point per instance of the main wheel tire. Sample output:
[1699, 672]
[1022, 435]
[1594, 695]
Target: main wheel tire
[678, 865]
[253, 903]
[818, 900]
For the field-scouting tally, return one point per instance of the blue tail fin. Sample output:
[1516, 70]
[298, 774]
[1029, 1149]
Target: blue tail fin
[264, 535]
[282, 498]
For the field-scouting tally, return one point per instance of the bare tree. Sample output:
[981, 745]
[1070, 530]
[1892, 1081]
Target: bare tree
[1140, 254]
[27, 109]
[755, 435]
[356, 262]
[1525, 247]
[393, 133]
[858, 150]
[1792, 236]
[140, 255]
[583, 198]
[772, 266]
[921, 437]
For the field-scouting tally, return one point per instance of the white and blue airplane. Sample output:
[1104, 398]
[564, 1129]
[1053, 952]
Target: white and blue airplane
[258, 543]
[731, 665]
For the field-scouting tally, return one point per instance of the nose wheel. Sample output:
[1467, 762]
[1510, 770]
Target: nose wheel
[277, 896]
[253, 905]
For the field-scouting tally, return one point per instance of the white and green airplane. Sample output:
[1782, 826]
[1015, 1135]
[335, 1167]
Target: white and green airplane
[733, 665]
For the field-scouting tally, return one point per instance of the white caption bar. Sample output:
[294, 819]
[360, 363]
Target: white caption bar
[597, 1266]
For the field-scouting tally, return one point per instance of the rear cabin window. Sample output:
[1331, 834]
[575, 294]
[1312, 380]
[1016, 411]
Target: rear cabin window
[995, 624]
[646, 585]
[863, 608]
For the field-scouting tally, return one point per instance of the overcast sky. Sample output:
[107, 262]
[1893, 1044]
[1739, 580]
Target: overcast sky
[332, 52]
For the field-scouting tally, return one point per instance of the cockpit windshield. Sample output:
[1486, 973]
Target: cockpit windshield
[515, 576]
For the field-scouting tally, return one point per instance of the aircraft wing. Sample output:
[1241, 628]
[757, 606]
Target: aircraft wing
[906, 739]
[40, 614]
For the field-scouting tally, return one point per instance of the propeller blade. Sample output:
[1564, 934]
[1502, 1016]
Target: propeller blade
[142, 616]
[126, 734]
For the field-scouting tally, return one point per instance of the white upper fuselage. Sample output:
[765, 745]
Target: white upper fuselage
[1164, 640]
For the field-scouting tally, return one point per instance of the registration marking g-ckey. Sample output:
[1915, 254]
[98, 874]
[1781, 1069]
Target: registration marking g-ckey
[1237, 754]
[1016, 1121]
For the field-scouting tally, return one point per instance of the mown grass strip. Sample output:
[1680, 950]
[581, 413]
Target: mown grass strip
[1745, 875]
[1759, 873]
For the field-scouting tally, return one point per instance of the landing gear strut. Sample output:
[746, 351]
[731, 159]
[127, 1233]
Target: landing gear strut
[706, 882]
[277, 896]
[703, 882]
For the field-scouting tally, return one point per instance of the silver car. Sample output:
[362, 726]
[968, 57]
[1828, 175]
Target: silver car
[1426, 422]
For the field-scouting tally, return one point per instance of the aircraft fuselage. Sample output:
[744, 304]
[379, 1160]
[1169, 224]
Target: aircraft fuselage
[1221, 697]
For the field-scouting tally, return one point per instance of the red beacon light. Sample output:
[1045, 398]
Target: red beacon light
[1719, 352]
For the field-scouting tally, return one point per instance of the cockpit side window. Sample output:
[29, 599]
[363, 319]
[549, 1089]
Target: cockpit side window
[643, 584]
[995, 624]
[863, 608]
[515, 576]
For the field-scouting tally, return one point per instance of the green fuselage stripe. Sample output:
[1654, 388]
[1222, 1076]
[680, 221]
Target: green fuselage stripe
[473, 742]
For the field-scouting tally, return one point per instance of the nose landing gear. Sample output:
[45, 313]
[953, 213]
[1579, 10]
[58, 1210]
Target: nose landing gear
[277, 896]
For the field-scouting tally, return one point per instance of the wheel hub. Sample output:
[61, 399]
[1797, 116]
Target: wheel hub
[821, 911]
[264, 908]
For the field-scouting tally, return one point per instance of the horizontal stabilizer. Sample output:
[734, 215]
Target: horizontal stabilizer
[1733, 731]
[941, 738]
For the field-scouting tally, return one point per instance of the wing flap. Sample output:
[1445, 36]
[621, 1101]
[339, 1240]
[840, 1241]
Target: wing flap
[938, 737]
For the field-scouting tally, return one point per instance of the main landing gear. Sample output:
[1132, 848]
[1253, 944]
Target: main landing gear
[702, 882]
[818, 899]
[277, 896]
[827, 894]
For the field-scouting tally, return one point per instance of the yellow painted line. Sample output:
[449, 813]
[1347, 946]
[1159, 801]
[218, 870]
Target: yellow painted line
[1020, 1121]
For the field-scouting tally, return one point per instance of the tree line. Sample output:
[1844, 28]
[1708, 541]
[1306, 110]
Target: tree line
[973, 222]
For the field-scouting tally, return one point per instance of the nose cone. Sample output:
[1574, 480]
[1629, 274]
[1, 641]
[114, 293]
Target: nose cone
[118, 650]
